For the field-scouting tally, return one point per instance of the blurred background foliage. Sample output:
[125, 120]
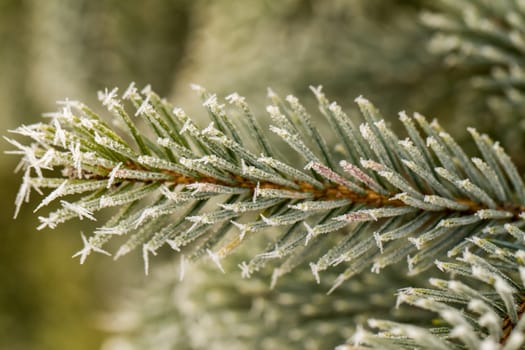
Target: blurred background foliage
[56, 49]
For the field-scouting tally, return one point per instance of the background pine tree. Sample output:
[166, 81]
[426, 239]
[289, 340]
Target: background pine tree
[374, 49]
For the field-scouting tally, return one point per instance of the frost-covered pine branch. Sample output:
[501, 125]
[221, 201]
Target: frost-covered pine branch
[206, 190]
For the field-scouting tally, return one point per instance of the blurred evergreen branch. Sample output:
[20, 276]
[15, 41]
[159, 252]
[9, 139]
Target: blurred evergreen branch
[209, 310]
[486, 39]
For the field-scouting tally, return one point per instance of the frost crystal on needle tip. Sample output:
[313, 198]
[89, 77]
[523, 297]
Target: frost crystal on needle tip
[216, 259]
[131, 92]
[87, 249]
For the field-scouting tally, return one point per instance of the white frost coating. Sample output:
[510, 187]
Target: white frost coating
[375, 214]
[145, 107]
[114, 230]
[337, 283]
[358, 337]
[197, 87]
[256, 192]
[171, 195]
[476, 192]
[88, 123]
[52, 196]
[335, 108]
[440, 265]
[445, 202]
[235, 98]
[514, 341]
[77, 158]
[67, 103]
[79, 210]
[319, 205]
[379, 241]
[174, 245]
[106, 96]
[245, 270]
[178, 112]
[361, 100]
[505, 291]
[334, 177]
[213, 105]
[87, 249]
[216, 259]
[145, 256]
[186, 126]
[146, 90]
[491, 321]
[414, 202]
[273, 110]
[23, 192]
[520, 256]
[459, 221]
[30, 159]
[492, 177]
[310, 233]
[211, 130]
[292, 100]
[50, 221]
[399, 182]
[467, 335]
[112, 174]
[315, 272]
[131, 92]
[511, 171]
[417, 242]
[515, 231]
[410, 263]
[317, 91]
[270, 222]
[493, 214]
[361, 176]
[164, 142]
[280, 132]
[243, 228]
[60, 136]
[270, 93]
[33, 131]
[145, 215]
[370, 164]
[276, 273]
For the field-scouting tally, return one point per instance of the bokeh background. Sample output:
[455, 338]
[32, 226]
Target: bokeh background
[53, 49]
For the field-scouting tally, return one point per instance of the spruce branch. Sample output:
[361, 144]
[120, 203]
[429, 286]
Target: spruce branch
[480, 307]
[205, 191]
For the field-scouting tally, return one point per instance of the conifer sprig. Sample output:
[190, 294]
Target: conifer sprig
[207, 190]
[480, 307]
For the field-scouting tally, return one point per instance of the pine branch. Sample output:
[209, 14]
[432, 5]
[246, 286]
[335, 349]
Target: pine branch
[481, 307]
[206, 191]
